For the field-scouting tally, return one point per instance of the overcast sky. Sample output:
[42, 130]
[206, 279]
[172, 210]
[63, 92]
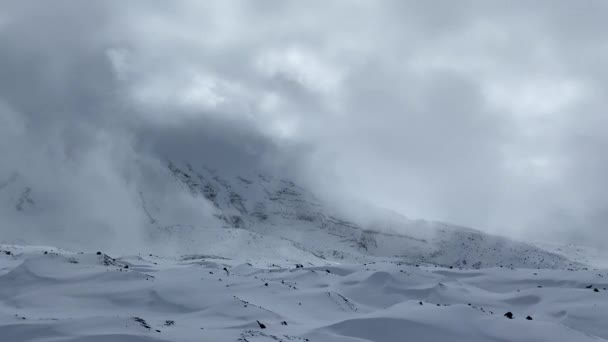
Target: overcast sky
[490, 114]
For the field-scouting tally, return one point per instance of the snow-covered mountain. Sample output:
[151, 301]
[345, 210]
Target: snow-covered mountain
[271, 217]
[266, 260]
[261, 207]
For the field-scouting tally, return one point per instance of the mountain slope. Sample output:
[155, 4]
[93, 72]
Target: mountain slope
[276, 208]
[199, 210]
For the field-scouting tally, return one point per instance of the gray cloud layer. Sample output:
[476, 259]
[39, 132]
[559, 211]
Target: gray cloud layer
[487, 114]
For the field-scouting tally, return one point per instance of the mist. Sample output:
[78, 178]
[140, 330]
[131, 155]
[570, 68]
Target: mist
[480, 114]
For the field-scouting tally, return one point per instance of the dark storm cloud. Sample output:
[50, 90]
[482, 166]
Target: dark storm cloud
[483, 113]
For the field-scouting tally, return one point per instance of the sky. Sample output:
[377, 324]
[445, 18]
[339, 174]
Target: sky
[489, 114]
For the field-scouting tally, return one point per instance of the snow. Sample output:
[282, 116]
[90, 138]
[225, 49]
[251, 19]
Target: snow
[265, 251]
[48, 294]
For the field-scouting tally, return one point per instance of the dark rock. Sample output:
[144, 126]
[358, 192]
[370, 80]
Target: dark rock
[283, 323]
[509, 315]
[142, 322]
[262, 326]
[529, 318]
[98, 253]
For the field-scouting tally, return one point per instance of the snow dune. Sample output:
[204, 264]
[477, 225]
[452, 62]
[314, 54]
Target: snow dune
[55, 295]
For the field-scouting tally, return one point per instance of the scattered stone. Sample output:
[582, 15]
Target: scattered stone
[509, 315]
[142, 322]
[588, 287]
[98, 253]
[283, 323]
[529, 318]
[596, 290]
[262, 326]
[169, 323]
[420, 303]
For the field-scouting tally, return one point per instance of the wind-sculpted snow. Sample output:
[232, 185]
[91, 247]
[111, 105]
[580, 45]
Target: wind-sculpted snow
[55, 295]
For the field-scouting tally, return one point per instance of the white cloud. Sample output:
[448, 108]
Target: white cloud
[302, 67]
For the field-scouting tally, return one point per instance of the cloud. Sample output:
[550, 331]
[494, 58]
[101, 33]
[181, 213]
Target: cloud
[477, 113]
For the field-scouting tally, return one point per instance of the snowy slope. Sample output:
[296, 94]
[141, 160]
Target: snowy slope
[263, 216]
[53, 295]
[268, 261]
[275, 218]
[276, 208]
